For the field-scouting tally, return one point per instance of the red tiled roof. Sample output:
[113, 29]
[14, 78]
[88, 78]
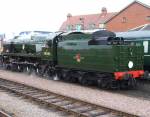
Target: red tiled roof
[136, 1]
[87, 20]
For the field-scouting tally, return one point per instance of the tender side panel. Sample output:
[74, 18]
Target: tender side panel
[80, 55]
[128, 58]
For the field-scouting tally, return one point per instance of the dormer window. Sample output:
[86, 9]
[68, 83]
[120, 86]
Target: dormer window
[69, 27]
[101, 25]
[148, 18]
[92, 26]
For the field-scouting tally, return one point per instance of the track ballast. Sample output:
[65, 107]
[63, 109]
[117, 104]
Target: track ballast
[67, 104]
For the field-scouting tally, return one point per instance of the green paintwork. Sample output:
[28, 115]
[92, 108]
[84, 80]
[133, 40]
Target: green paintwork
[46, 54]
[138, 38]
[126, 53]
[140, 41]
[17, 47]
[106, 58]
[30, 48]
[28, 51]
[22, 55]
[21, 48]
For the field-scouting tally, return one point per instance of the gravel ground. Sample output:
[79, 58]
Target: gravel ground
[17, 107]
[133, 105]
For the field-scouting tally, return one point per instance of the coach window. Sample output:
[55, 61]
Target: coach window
[145, 44]
[138, 43]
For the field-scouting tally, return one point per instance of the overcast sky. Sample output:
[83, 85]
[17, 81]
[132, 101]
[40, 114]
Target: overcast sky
[21, 15]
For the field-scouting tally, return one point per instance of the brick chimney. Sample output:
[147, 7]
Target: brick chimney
[69, 15]
[104, 11]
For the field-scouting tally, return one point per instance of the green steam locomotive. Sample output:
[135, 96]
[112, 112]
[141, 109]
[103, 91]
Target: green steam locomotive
[99, 58]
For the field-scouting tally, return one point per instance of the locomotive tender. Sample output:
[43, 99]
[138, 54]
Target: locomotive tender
[99, 58]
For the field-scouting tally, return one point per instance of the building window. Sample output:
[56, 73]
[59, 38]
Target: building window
[101, 25]
[78, 27]
[69, 27]
[91, 26]
[148, 18]
[124, 20]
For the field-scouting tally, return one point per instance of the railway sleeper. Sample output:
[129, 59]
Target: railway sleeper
[55, 100]
[40, 95]
[47, 97]
[51, 97]
[77, 107]
[98, 112]
[82, 109]
[64, 103]
[73, 106]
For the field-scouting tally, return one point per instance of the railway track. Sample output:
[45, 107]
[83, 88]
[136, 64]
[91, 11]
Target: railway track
[69, 105]
[3, 114]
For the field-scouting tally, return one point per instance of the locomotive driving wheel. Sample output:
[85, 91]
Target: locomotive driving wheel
[50, 72]
[27, 69]
[12, 67]
[40, 70]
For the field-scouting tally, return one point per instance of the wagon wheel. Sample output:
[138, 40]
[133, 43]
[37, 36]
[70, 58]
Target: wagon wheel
[12, 67]
[104, 83]
[8, 67]
[60, 73]
[124, 84]
[114, 84]
[132, 83]
[19, 68]
[85, 79]
[66, 76]
[49, 72]
[27, 69]
[39, 70]
[73, 76]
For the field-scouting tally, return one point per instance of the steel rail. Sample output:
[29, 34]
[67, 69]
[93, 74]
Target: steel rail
[4, 114]
[67, 104]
